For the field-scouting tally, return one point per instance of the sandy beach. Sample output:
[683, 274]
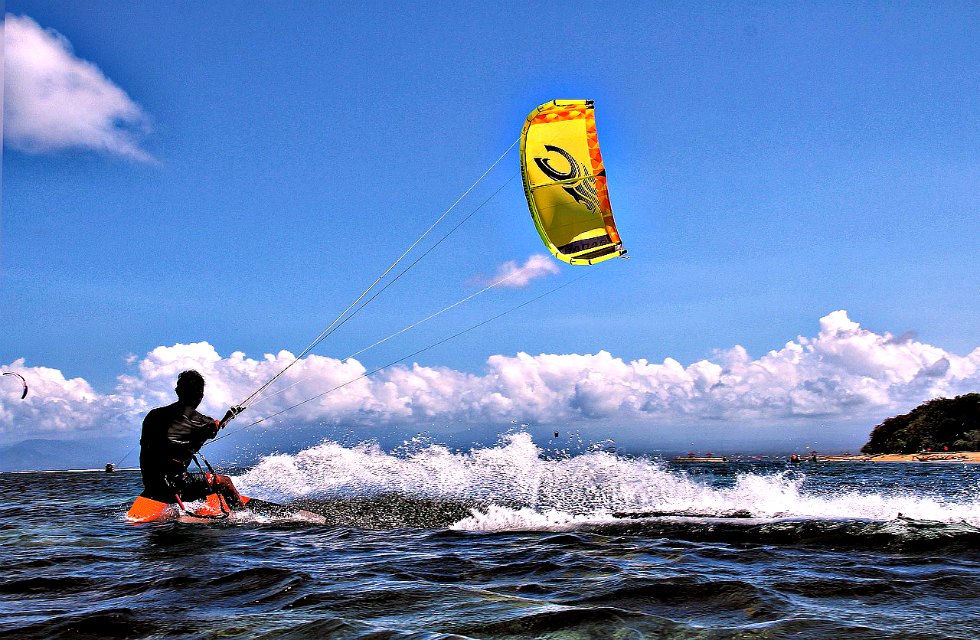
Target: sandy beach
[944, 456]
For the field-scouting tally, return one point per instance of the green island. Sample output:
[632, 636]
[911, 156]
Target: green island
[943, 424]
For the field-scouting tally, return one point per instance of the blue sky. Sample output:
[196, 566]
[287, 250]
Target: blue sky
[768, 164]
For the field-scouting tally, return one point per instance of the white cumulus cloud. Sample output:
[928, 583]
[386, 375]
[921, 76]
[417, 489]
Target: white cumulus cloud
[511, 274]
[57, 406]
[842, 373]
[54, 100]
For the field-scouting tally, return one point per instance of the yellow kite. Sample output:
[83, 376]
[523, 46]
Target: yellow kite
[565, 183]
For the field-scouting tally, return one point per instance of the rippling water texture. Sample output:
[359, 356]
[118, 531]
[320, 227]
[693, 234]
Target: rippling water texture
[502, 543]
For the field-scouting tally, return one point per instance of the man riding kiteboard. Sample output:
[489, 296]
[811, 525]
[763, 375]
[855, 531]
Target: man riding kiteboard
[171, 437]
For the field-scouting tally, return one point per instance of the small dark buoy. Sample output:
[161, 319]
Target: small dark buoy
[556, 434]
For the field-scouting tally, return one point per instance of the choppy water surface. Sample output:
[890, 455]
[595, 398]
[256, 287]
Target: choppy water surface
[502, 542]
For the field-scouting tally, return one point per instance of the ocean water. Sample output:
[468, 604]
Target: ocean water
[507, 541]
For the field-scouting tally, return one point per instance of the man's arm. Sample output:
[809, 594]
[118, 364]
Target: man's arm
[232, 412]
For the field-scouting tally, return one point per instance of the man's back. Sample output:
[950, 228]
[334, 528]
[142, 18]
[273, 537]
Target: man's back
[170, 436]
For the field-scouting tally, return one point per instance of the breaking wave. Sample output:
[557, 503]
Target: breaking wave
[513, 486]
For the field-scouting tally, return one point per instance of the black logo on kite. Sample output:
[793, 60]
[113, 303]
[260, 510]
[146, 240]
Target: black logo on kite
[584, 191]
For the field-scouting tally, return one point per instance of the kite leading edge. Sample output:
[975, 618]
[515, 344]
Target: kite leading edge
[22, 381]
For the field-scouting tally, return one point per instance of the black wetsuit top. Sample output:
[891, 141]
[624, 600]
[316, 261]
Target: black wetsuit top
[171, 436]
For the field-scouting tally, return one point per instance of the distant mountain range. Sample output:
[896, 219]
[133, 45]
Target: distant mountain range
[45, 455]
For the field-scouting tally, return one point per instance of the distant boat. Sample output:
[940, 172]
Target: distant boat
[693, 458]
[810, 457]
[938, 457]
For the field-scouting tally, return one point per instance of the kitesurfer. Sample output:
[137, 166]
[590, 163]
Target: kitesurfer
[171, 436]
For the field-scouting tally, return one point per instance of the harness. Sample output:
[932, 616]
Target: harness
[210, 477]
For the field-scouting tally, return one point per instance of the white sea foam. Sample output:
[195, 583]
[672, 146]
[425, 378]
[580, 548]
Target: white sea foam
[512, 487]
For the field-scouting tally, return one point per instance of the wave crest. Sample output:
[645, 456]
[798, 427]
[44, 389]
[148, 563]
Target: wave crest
[513, 486]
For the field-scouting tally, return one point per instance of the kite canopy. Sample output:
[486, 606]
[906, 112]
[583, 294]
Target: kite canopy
[565, 183]
[22, 381]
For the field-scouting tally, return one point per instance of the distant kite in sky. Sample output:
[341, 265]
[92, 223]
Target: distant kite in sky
[24, 382]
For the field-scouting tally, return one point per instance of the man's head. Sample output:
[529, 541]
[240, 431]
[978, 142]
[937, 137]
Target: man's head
[190, 387]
